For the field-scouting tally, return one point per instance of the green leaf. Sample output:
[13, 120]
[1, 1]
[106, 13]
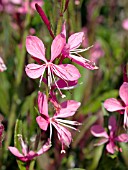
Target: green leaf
[28, 104]
[4, 94]
[124, 153]
[97, 155]
[95, 104]
[18, 131]
[85, 126]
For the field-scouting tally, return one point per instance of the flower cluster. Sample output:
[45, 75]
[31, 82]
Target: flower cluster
[56, 75]
[113, 105]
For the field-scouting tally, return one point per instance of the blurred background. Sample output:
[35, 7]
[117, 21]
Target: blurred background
[105, 25]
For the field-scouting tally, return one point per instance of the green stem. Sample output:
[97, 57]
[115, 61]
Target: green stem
[11, 122]
[18, 78]
[59, 25]
[60, 21]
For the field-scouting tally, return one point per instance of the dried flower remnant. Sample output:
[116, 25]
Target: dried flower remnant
[2, 65]
[111, 138]
[63, 110]
[28, 155]
[113, 104]
[1, 133]
[36, 48]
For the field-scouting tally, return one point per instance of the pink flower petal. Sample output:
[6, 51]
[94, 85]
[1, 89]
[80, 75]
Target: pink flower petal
[43, 123]
[44, 148]
[2, 65]
[43, 104]
[15, 151]
[75, 40]
[66, 85]
[122, 138]
[31, 155]
[112, 124]
[34, 70]
[124, 92]
[83, 62]
[66, 72]
[126, 117]
[112, 105]
[110, 147]
[68, 108]
[35, 47]
[57, 46]
[101, 142]
[64, 135]
[125, 24]
[98, 131]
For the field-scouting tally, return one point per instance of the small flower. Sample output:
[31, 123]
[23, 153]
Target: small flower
[2, 65]
[113, 104]
[71, 50]
[28, 155]
[63, 110]
[111, 139]
[35, 47]
[125, 24]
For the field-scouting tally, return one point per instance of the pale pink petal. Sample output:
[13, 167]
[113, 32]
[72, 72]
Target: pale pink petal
[75, 40]
[43, 104]
[15, 151]
[98, 131]
[110, 147]
[66, 72]
[112, 105]
[126, 117]
[31, 155]
[83, 62]
[2, 65]
[34, 70]
[122, 138]
[112, 124]
[124, 92]
[44, 148]
[68, 108]
[35, 47]
[64, 135]
[17, 2]
[101, 142]
[43, 123]
[39, 2]
[57, 46]
[125, 24]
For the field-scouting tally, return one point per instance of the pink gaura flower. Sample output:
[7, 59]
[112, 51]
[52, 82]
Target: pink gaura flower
[111, 138]
[113, 104]
[63, 110]
[71, 50]
[2, 65]
[36, 48]
[125, 24]
[28, 155]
